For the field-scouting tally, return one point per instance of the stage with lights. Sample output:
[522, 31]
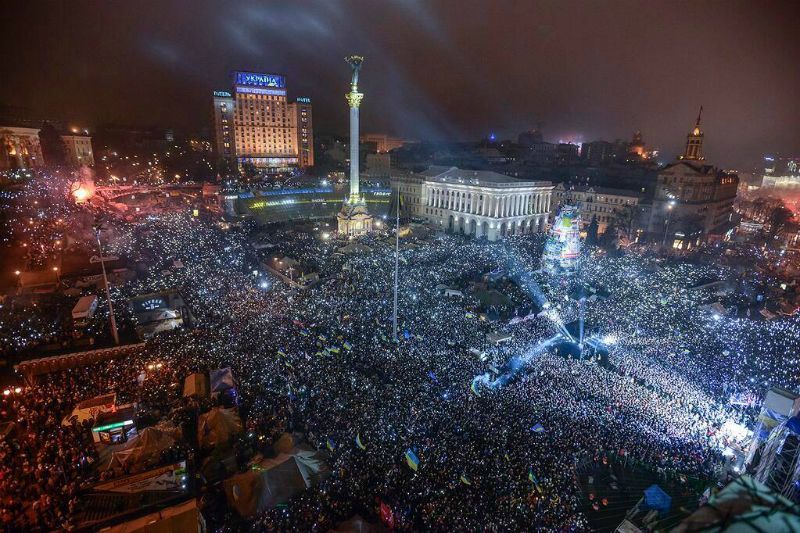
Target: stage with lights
[585, 342]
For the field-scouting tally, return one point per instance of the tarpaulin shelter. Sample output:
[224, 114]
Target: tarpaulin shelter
[656, 498]
[144, 448]
[222, 380]
[218, 426]
[274, 481]
[196, 384]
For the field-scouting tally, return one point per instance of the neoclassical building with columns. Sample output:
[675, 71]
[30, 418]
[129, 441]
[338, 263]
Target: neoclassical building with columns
[475, 202]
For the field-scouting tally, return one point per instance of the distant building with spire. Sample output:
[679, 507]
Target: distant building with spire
[693, 200]
[694, 141]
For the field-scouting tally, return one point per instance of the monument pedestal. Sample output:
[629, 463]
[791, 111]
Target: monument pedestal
[354, 219]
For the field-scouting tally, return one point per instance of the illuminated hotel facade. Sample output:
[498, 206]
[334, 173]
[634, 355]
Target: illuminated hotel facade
[256, 124]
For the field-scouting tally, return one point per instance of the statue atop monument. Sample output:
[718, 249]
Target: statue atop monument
[355, 64]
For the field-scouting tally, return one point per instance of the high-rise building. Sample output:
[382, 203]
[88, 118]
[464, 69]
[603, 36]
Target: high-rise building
[597, 152]
[305, 129]
[224, 144]
[257, 125]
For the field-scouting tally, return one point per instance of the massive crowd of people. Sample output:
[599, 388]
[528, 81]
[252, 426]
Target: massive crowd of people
[323, 362]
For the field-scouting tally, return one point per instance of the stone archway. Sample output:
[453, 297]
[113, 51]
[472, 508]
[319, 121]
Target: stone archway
[450, 224]
[473, 227]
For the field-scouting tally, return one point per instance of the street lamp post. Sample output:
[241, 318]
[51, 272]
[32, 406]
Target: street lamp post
[111, 319]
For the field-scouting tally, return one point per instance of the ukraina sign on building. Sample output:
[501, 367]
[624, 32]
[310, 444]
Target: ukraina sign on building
[259, 80]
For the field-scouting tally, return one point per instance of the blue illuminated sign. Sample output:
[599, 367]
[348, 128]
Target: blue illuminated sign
[304, 100]
[222, 94]
[259, 80]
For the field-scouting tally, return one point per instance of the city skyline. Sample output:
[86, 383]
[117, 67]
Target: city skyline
[492, 68]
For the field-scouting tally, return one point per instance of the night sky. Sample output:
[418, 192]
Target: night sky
[452, 70]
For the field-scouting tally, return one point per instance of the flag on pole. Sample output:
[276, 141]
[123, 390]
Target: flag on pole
[474, 389]
[331, 445]
[347, 346]
[281, 353]
[359, 443]
[538, 428]
[412, 460]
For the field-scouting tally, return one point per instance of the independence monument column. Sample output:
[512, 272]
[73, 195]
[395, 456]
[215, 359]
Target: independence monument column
[353, 218]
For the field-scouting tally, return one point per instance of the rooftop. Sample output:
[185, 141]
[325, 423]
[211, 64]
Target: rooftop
[485, 178]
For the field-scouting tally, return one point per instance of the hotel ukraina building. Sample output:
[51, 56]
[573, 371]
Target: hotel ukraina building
[475, 202]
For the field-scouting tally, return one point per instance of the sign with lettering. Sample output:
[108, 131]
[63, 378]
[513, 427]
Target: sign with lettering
[260, 80]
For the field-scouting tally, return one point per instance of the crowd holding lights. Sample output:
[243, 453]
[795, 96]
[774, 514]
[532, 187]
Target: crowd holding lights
[322, 362]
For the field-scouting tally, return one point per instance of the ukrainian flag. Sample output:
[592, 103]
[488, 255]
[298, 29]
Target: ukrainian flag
[474, 389]
[465, 480]
[412, 460]
[359, 443]
[532, 476]
[470, 315]
[538, 428]
[347, 346]
[334, 349]
[281, 353]
[304, 333]
[331, 445]
[322, 337]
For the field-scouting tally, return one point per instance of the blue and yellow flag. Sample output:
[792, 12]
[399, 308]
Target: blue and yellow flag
[474, 389]
[281, 353]
[465, 480]
[538, 428]
[359, 443]
[532, 476]
[347, 346]
[334, 349]
[322, 337]
[331, 445]
[470, 315]
[412, 460]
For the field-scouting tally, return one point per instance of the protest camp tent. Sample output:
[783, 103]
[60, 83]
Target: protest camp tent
[222, 380]
[274, 481]
[655, 498]
[196, 384]
[144, 448]
[218, 426]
